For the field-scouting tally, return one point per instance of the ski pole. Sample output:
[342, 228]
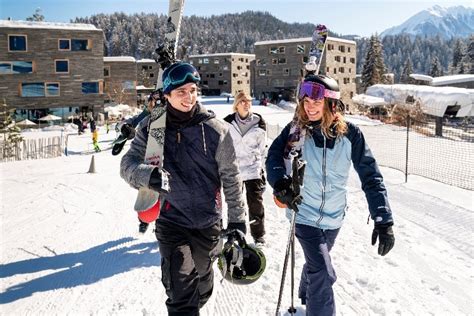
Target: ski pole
[292, 309]
[285, 263]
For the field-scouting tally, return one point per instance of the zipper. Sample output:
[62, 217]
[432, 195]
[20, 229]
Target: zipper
[323, 184]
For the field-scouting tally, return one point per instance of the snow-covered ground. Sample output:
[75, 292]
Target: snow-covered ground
[69, 245]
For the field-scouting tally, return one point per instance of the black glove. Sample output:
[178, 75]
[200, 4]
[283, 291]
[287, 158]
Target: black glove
[386, 238]
[283, 191]
[128, 131]
[240, 226]
[159, 181]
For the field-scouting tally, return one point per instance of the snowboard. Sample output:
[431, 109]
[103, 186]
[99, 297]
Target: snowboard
[147, 203]
[318, 44]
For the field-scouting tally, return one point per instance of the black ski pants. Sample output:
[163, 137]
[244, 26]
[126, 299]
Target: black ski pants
[254, 191]
[187, 256]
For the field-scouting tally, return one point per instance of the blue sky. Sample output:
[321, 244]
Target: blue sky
[341, 16]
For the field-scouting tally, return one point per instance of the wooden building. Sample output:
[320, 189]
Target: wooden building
[120, 77]
[51, 68]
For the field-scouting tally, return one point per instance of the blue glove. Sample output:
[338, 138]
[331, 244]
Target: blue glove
[240, 226]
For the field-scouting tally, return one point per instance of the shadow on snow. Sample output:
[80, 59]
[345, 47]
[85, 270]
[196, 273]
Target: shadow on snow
[79, 268]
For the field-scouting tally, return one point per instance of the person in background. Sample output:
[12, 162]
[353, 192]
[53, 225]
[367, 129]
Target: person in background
[95, 135]
[321, 136]
[248, 131]
[199, 158]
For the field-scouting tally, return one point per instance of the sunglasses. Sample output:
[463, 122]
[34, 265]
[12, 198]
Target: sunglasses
[316, 91]
[181, 74]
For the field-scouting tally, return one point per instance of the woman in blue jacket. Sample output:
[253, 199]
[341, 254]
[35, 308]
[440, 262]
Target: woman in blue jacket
[321, 136]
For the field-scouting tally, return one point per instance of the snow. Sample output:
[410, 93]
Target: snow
[48, 25]
[146, 60]
[222, 54]
[302, 39]
[444, 80]
[70, 244]
[433, 100]
[119, 59]
[364, 99]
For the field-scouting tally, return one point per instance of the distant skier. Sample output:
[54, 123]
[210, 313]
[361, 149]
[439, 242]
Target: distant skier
[200, 159]
[328, 144]
[248, 131]
[95, 135]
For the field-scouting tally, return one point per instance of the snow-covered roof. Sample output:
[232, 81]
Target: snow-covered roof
[302, 39]
[119, 59]
[146, 60]
[433, 100]
[368, 100]
[222, 54]
[48, 25]
[421, 77]
[444, 80]
[142, 87]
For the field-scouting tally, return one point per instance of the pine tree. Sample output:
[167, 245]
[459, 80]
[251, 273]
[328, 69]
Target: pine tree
[11, 132]
[468, 59]
[37, 16]
[374, 67]
[458, 54]
[407, 71]
[436, 70]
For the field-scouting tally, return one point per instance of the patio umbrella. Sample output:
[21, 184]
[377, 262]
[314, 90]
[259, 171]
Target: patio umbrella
[50, 117]
[26, 123]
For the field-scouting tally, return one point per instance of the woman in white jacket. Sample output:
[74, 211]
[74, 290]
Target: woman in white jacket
[248, 131]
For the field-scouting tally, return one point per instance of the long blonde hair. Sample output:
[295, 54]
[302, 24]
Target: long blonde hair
[240, 97]
[332, 125]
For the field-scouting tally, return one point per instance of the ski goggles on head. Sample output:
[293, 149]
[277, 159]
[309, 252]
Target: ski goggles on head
[179, 75]
[316, 91]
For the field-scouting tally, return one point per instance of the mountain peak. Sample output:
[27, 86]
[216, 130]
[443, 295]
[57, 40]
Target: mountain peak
[457, 21]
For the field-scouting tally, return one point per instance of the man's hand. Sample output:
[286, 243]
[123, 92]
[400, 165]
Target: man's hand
[386, 238]
[159, 181]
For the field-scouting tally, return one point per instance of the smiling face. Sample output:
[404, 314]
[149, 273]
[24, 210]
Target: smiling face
[313, 108]
[243, 107]
[183, 98]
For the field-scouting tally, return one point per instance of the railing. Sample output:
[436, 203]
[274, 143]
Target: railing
[33, 149]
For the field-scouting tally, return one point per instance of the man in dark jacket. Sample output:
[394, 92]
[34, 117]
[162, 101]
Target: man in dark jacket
[200, 159]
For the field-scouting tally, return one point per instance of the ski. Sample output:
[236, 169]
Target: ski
[318, 44]
[147, 202]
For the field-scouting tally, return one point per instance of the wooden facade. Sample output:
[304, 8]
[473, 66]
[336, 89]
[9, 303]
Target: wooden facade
[224, 72]
[279, 64]
[51, 68]
[120, 77]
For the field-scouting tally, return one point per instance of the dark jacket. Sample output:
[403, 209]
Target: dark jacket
[200, 159]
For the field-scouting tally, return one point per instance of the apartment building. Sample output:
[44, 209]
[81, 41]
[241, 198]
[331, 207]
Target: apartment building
[147, 72]
[223, 72]
[51, 68]
[120, 78]
[279, 66]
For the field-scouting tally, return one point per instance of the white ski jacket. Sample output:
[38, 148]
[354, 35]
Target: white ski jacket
[250, 148]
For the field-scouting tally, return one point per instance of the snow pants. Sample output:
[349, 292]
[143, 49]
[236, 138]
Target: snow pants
[254, 191]
[317, 275]
[187, 256]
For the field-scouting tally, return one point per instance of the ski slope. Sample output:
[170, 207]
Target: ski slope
[70, 246]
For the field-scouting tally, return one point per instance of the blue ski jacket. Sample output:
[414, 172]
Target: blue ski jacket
[327, 170]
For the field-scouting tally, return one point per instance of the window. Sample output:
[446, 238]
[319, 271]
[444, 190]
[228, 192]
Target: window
[239, 81]
[273, 50]
[348, 49]
[225, 67]
[341, 70]
[344, 59]
[300, 49]
[191, 62]
[225, 82]
[90, 87]
[261, 62]
[352, 60]
[151, 75]
[17, 43]
[262, 72]
[32, 89]
[305, 59]
[212, 75]
[342, 48]
[337, 58]
[269, 72]
[200, 61]
[64, 44]
[80, 45]
[206, 60]
[16, 67]
[286, 71]
[274, 61]
[281, 49]
[330, 47]
[144, 67]
[335, 71]
[281, 61]
[128, 85]
[216, 61]
[234, 75]
[204, 82]
[62, 66]
[220, 83]
[52, 89]
[106, 71]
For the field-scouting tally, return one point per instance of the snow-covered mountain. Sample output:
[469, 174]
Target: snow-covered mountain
[450, 22]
